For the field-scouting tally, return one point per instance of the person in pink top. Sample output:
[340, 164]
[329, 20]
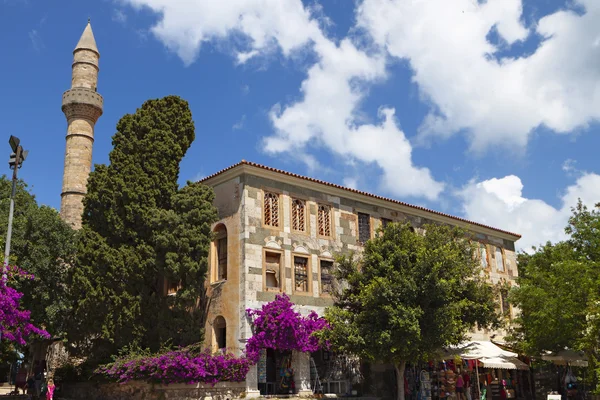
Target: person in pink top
[460, 387]
[50, 390]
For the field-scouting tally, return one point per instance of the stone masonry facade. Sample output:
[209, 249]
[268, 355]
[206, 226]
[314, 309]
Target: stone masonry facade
[260, 240]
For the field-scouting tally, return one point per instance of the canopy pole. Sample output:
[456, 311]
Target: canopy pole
[477, 372]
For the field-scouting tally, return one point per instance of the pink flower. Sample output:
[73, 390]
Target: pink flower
[14, 322]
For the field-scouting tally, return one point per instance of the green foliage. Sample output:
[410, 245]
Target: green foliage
[410, 295]
[139, 230]
[43, 245]
[552, 296]
[559, 291]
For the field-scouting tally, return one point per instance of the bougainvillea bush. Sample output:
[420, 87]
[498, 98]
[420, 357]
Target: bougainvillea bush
[15, 325]
[180, 366]
[277, 326]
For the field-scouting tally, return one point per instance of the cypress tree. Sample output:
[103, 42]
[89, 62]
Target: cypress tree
[140, 231]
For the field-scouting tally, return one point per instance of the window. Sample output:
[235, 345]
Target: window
[504, 302]
[219, 250]
[324, 220]
[272, 270]
[172, 287]
[364, 227]
[222, 258]
[271, 209]
[326, 268]
[483, 256]
[220, 327]
[499, 260]
[385, 222]
[299, 215]
[301, 281]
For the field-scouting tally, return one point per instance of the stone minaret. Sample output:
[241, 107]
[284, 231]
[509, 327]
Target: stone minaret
[82, 106]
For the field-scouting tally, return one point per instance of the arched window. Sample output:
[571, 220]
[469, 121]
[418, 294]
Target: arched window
[271, 209]
[220, 328]
[499, 260]
[298, 215]
[324, 219]
[483, 256]
[220, 253]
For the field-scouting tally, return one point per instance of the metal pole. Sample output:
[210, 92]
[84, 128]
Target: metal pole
[10, 214]
[477, 374]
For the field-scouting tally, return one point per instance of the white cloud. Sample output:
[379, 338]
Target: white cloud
[184, 25]
[495, 101]
[240, 124]
[351, 182]
[500, 203]
[328, 114]
[36, 40]
[119, 16]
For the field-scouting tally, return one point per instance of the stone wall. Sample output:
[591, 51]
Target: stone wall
[259, 238]
[240, 204]
[145, 391]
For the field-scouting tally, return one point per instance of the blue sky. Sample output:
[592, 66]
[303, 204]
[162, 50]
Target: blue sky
[483, 109]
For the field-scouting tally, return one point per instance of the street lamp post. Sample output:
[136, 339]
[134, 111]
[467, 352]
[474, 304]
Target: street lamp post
[15, 162]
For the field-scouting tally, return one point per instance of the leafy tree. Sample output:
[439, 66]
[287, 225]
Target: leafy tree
[43, 245]
[553, 294]
[559, 291]
[140, 231]
[408, 296]
[15, 325]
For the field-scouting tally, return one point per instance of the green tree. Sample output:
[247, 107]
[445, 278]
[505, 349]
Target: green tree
[559, 292]
[552, 296]
[43, 245]
[139, 232]
[409, 296]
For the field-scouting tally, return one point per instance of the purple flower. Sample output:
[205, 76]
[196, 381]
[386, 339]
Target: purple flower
[277, 326]
[14, 322]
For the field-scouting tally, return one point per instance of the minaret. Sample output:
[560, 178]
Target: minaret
[82, 106]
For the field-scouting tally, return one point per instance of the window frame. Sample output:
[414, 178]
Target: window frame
[216, 337]
[214, 253]
[487, 255]
[281, 270]
[331, 220]
[503, 299]
[306, 230]
[309, 277]
[385, 221]
[503, 270]
[279, 209]
[320, 260]
[358, 212]
[168, 284]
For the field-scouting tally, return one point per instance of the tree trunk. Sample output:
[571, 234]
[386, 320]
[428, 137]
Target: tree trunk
[400, 367]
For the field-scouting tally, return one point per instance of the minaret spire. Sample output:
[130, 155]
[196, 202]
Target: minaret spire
[87, 40]
[82, 106]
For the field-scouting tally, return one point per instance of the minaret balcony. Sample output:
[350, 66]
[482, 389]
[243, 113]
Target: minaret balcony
[78, 99]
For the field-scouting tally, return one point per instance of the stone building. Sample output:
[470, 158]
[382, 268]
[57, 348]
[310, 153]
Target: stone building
[82, 106]
[278, 232]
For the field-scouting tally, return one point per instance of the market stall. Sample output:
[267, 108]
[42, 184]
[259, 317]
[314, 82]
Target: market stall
[489, 356]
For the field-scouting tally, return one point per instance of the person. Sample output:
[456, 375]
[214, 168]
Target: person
[460, 387]
[31, 386]
[50, 389]
[38, 378]
[21, 379]
[467, 380]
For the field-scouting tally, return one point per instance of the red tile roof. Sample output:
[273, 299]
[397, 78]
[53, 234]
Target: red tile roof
[279, 171]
